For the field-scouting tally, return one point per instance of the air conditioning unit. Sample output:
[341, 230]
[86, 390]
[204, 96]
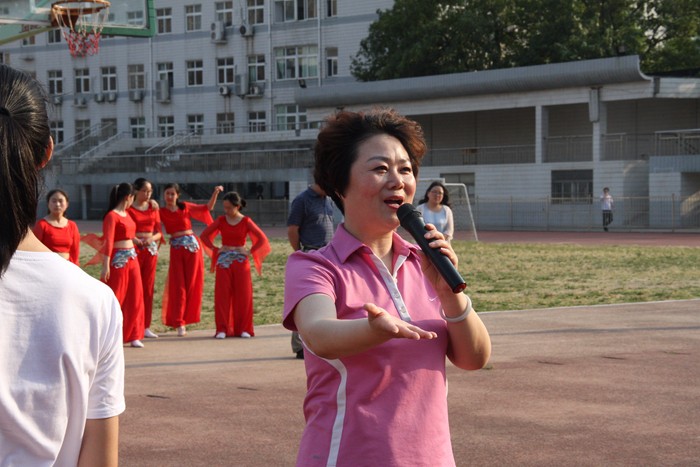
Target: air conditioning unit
[163, 90]
[80, 101]
[57, 100]
[99, 97]
[246, 30]
[256, 90]
[136, 95]
[224, 91]
[241, 85]
[111, 96]
[218, 32]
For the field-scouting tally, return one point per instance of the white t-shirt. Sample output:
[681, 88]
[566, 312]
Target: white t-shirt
[442, 220]
[61, 358]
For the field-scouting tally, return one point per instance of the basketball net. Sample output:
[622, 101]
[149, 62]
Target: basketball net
[81, 24]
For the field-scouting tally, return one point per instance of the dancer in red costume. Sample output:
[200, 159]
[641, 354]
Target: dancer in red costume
[233, 292]
[182, 299]
[146, 214]
[120, 267]
[56, 231]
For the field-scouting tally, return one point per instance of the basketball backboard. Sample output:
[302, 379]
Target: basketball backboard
[24, 18]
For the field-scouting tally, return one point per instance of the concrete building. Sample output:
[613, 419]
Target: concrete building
[232, 92]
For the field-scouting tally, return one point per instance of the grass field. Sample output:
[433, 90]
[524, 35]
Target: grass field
[503, 277]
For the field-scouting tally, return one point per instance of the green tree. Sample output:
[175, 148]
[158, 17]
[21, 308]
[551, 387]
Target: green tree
[419, 38]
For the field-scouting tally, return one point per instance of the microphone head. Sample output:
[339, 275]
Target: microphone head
[407, 211]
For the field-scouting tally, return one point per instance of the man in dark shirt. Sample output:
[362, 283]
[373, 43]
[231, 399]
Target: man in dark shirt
[309, 227]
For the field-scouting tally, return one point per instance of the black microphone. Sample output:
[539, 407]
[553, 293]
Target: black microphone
[412, 220]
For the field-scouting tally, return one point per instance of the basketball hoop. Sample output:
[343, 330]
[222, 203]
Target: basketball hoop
[81, 24]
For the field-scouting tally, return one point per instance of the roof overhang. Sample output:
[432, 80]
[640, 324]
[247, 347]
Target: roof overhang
[586, 73]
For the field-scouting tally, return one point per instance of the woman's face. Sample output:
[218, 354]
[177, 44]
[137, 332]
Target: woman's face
[435, 195]
[58, 204]
[170, 196]
[381, 180]
[229, 209]
[144, 194]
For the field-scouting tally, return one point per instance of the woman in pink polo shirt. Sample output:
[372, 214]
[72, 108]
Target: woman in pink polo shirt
[376, 318]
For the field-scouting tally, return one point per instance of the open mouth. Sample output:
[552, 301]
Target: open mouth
[394, 202]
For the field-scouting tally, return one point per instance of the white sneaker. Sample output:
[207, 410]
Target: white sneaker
[137, 343]
[149, 333]
[181, 331]
[245, 335]
[221, 335]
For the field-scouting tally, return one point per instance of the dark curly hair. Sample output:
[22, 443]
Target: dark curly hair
[343, 132]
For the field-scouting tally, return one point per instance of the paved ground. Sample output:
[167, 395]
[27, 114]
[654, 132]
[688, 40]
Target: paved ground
[588, 386]
[605, 385]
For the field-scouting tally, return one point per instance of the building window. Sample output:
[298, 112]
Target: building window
[166, 126]
[256, 68]
[109, 78]
[134, 18]
[137, 77]
[31, 40]
[257, 122]
[225, 123]
[224, 12]
[331, 8]
[572, 186]
[331, 62]
[54, 36]
[296, 62]
[82, 80]
[225, 71]
[5, 58]
[195, 73]
[294, 10]
[193, 18]
[468, 179]
[164, 18]
[137, 126]
[290, 117]
[57, 131]
[108, 128]
[195, 123]
[256, 11]
[165, 71]
[55, 82]
[82, 129]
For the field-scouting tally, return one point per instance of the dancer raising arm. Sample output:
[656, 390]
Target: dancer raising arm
[233, 291]
[56, 231]
[182, 299]
[62, 364]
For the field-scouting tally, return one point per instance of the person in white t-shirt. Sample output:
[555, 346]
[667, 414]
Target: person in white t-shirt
[62, 364]
[606, 205]
[435, 207]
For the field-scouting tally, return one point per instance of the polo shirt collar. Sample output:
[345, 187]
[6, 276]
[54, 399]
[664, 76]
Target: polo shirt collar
[344, 245]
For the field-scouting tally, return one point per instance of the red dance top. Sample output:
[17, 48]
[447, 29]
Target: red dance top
[60, 239]
[115, 228]
[235, 235]
[179, 219]
[146, 221]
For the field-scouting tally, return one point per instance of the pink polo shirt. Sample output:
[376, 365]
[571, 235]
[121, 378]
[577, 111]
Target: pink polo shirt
[386, 406]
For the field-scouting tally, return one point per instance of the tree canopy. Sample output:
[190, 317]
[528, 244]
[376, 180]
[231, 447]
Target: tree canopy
[423, 37]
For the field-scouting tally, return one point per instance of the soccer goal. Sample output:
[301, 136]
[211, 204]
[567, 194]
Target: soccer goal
[460, 204]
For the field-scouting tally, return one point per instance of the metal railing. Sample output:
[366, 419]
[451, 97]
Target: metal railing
[677, 142]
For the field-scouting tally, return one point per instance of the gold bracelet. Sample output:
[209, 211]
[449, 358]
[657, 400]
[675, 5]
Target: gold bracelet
[461, 317]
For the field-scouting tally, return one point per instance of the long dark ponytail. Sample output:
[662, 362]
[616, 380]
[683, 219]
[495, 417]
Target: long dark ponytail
[24, 139]
[117, 195]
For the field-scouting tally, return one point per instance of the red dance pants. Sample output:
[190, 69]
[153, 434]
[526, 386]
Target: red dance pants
[147, 264]
[126, 284]
[182, 300]
[233, 299]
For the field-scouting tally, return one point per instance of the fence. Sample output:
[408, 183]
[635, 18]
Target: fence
[670, 213]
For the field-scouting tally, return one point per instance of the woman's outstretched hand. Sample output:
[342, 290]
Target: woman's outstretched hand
[386, 325]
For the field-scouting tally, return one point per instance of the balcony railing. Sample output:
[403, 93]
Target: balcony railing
[677, 142]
